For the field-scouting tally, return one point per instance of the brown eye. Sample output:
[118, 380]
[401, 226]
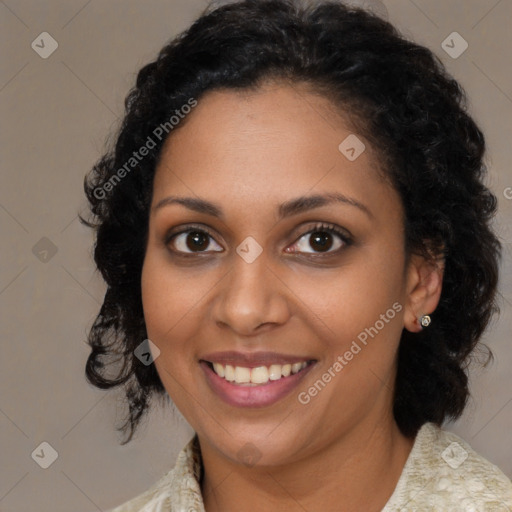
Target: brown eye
[191, 241]
[321, 239]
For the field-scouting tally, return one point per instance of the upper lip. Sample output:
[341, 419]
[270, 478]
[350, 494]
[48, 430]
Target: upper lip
[252, 359]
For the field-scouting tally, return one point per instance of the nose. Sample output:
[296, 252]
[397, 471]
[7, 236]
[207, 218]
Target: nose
[252, 298]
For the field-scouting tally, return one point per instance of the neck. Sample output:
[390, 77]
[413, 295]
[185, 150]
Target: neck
[356, 472]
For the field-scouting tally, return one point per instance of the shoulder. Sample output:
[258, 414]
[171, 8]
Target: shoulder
[178, 489]
[443, 472]
[157, 493]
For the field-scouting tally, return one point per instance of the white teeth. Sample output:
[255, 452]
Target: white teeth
[286, 369]
[229, 373]
[219, 369]
[274, 372]
[242, 375]
[259, 375]
[296, 367]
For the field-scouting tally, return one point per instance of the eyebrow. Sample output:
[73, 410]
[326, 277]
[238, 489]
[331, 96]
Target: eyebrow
[286, 209]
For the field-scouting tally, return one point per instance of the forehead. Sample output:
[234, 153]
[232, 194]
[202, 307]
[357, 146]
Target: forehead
[268, 144]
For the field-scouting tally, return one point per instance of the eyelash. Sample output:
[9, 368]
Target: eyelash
[320, 227]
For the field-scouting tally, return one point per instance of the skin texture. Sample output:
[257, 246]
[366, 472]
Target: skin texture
[249, 152]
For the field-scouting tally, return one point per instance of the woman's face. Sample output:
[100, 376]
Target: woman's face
[259, 282]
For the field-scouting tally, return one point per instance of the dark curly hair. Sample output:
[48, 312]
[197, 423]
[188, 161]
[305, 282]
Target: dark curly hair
[399, 96]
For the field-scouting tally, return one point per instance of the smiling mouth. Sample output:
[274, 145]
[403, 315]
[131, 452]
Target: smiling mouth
[260, 375]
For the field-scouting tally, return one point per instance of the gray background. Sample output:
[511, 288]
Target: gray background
[56, 114]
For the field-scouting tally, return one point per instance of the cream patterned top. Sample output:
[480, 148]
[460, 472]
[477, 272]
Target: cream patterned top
[442, 474]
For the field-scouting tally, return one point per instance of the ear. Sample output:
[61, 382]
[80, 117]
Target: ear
[424, 285]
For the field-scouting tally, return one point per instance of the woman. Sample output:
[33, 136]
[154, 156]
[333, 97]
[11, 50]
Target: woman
[296, 241]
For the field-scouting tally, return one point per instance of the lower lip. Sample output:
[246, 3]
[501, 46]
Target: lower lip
[261, 395]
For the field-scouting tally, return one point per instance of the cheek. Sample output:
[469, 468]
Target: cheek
[361, 310]
[157, 298]
[353, 296]
[168, 296]
[168, 306]
[166, 302]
